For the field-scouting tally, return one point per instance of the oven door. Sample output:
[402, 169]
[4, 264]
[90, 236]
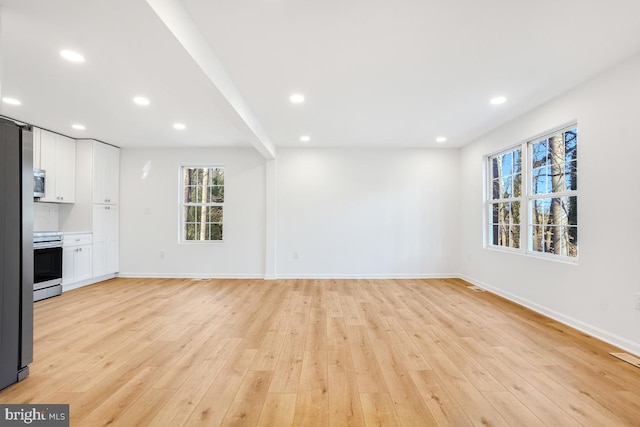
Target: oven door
[47, 265]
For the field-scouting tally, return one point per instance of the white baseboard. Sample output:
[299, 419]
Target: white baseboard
[321, 276]
[188, 276]
[623, 343]
[80, 284]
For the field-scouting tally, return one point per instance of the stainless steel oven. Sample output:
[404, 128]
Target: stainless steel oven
[47, 264]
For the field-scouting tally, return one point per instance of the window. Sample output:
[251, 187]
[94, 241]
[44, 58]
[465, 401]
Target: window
[545, 195]
[202, 203]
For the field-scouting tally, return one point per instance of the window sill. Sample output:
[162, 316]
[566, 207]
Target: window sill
[534, 255]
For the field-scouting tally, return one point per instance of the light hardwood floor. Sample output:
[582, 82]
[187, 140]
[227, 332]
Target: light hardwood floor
[137, 352]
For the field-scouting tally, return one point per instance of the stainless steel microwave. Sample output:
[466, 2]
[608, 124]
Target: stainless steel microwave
[39, 177]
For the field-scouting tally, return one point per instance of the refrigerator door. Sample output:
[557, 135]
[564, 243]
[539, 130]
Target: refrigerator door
[10, 240]
[16, 256]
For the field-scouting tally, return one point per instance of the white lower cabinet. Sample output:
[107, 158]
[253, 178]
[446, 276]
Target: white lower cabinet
[77, 258]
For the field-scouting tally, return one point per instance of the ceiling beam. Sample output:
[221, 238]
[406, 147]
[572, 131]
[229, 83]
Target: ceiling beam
[173, 14]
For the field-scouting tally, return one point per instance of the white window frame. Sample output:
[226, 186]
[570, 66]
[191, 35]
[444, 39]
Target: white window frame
[182, 205]
[526, 198]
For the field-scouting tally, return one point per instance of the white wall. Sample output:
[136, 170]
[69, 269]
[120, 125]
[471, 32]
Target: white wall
[598, 294]
[366, 212]
[149, 215]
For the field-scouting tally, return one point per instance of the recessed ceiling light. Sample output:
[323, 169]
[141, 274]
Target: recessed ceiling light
[498, 100]
[11, 101]
[179, 126]
[72, 56]
[141, 100]
[305, 138]
[441, 139]
[296, 98]
[78, 127]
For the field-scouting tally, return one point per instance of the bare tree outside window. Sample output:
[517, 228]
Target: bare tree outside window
[202, 203]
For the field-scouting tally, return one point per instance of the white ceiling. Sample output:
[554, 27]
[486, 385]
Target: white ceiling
[374, 72]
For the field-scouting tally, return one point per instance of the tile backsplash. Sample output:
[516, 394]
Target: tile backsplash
[45, 216]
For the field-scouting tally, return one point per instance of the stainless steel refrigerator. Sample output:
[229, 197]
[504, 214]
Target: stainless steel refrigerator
[16, 252]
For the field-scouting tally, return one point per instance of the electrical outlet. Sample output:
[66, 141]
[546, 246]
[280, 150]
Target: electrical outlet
[161, 254]
[295, 254]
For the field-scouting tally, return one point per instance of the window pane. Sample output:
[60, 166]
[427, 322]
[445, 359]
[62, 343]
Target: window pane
[517, 185]
[571, 145]
[506, 188]
[192, 213]
[216, 176]
[539, 154]
[540, 209]
[556, 149]
[572, 175]
[555, 211]
[193, 194]
[540, 180]
[216, 194]
[214, 214]
[507, 164]
[556, 240]
[517, 161]
[495, 189]
[495, 170]
[214, 231]
[192, 231]
[514, 236]
[506, 224]
[571, 203]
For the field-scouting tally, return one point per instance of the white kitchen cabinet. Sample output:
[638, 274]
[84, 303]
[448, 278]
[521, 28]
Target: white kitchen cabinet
[37, 133]
[57, 156]
[106, 173]
[105, 240]
[76, 258]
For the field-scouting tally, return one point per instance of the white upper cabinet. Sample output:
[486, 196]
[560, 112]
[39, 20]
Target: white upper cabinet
[106, 173]
[56, 155]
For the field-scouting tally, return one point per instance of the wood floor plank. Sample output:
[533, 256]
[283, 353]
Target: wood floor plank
[278, 410]
[378, 410]
[253, 389]
[345, 408]
[195, 384]
[444, 408]
[173, 352]
[213, 406]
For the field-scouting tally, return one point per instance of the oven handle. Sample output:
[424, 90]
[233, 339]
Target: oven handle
[47, 245]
